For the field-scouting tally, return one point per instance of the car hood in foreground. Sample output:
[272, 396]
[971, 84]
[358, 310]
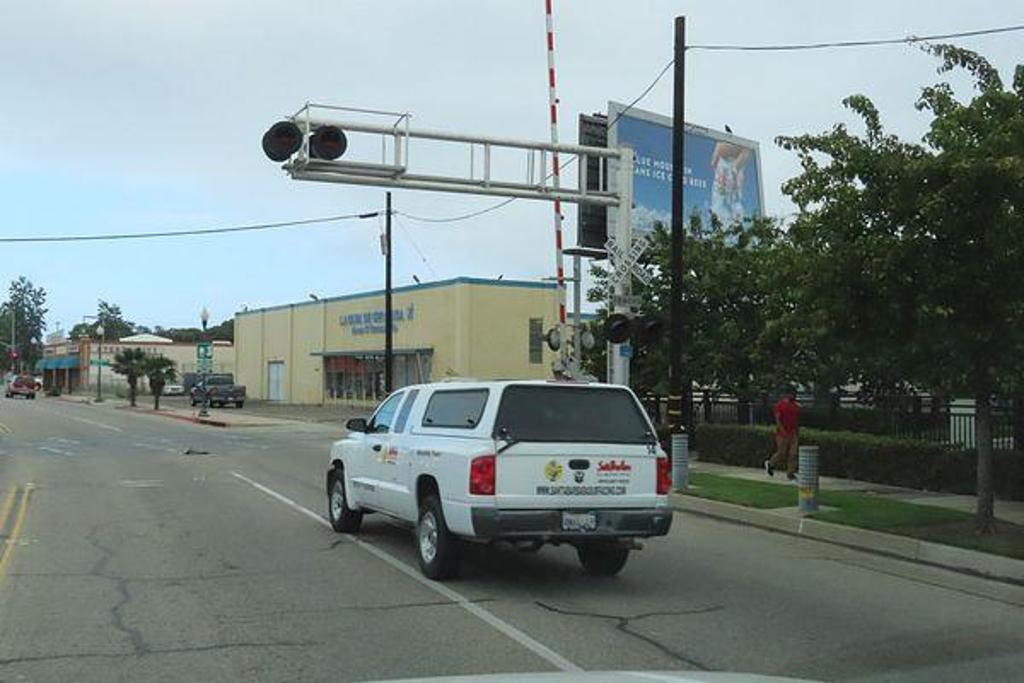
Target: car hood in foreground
[606, 677]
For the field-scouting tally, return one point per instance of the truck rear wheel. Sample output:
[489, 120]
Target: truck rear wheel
[437, 549]
[602, 559]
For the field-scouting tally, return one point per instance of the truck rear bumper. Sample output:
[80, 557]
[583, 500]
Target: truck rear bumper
[546, 525]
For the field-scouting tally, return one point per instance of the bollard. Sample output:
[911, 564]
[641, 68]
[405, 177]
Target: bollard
[680, 461]
[807, 477]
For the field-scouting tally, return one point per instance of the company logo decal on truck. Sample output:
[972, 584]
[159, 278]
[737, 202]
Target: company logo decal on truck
[553, 470]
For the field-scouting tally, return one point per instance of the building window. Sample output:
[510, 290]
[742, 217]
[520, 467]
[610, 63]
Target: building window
[536, 340]
[360, 377]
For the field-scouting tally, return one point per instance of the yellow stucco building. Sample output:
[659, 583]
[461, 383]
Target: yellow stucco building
[332, 350]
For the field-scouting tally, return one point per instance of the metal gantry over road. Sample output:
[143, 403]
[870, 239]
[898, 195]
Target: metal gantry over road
[312, 142]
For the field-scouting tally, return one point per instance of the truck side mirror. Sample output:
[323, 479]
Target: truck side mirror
[356, 424]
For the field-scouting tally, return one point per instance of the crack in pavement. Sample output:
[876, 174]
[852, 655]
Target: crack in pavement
[357, 608]
[622, 623]
[332, 546]
[139, 645]
[166, 651]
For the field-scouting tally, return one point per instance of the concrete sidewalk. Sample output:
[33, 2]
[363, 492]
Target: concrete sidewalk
[1006, 510]
[219, 417]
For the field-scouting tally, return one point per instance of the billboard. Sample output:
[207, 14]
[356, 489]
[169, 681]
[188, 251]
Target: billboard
[722, 172]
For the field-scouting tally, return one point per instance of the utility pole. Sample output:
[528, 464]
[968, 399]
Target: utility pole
[14, 338]
[677, 407]
[101, 334]
[389, 377]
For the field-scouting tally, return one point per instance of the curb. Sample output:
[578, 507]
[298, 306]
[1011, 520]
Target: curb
[180, 418]
[81, 402]
[1005, 569]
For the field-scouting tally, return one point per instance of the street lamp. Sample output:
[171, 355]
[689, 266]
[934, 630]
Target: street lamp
[99, 364]
[204, 410]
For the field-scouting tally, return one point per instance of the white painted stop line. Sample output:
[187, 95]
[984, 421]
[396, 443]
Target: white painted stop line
[539, 649]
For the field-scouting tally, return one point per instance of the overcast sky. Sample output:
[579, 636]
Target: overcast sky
[133, 115]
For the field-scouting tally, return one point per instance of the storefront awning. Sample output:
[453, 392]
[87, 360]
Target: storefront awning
[57, 363]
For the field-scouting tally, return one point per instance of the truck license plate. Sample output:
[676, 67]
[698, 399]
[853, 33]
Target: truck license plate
[579, 521]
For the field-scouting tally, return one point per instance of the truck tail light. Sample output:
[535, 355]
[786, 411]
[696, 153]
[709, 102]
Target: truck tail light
[481, 475]
[664, 476]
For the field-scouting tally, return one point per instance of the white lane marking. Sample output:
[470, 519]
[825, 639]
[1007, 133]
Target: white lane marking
[50, 449]
[539, 649]
[141, 483]
[94, 423]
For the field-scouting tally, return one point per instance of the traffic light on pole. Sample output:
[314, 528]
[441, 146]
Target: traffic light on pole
[327, 142]
[617, 328]
[284, 139]
[646, 329]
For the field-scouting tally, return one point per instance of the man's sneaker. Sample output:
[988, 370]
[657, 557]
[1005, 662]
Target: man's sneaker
[769, 470]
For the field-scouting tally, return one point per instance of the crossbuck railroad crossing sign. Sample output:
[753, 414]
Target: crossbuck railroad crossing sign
[627, 262]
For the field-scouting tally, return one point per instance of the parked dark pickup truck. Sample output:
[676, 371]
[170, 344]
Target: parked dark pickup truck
[223, 390]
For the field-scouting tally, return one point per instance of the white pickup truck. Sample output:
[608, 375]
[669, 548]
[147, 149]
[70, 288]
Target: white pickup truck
[530, 462]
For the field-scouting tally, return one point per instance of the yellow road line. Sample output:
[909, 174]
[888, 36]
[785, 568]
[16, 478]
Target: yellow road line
[4, 429]
[5, 560]
[6, 509]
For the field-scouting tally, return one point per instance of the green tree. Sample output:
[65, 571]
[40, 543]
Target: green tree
[728, 281]
[132, 364]
[907, 256]
[159, 370]
[28, 305]
[110, 316]
[225, 331]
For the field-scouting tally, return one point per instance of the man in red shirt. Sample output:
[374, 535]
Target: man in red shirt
[787, 432]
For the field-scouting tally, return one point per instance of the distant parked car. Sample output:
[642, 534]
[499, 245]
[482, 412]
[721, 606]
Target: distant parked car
[23, 385]
[174, 390]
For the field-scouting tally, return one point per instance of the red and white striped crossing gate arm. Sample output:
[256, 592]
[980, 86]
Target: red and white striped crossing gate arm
[556, 177]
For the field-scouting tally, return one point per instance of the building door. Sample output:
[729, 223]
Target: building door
[275, 381]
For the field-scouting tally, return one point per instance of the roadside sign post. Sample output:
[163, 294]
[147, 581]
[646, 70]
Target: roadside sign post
[204, 363]
[204, 358]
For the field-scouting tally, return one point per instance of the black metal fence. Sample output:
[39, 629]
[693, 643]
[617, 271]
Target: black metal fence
[945, 422]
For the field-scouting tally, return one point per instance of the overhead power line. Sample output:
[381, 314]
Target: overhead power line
[856, 43]
[738, 48]
[185, 233]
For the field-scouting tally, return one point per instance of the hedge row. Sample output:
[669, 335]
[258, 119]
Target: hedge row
[882, 460]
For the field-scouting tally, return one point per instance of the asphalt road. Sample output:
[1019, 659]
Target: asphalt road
[126, 559]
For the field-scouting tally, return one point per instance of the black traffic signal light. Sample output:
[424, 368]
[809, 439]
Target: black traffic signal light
[327, 142]
[645, 329]
[285, 139]
[282, 140]
[617, 328]
[648, 329]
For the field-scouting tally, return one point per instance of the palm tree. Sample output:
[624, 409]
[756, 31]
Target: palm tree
[129, 363]
[159, 370]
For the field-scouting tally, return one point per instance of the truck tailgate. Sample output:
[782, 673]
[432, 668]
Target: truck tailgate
[576, 475]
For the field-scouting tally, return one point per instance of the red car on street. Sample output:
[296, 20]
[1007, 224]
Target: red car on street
[22, 385]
